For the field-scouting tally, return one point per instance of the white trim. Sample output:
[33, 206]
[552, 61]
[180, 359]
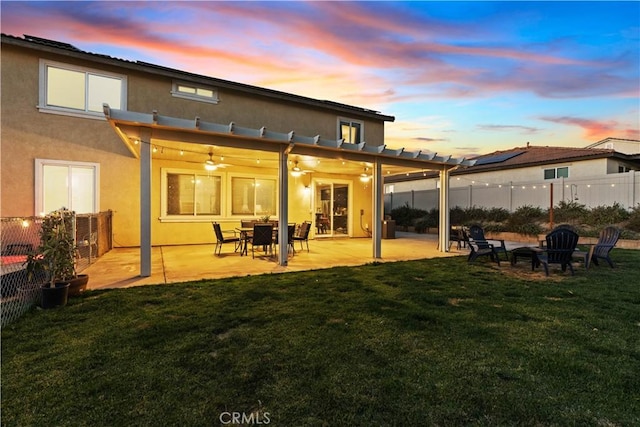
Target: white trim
[39, 175]
[43, 107]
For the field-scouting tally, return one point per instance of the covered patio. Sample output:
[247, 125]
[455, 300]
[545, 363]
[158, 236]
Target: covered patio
[172, 264]
[147, 136]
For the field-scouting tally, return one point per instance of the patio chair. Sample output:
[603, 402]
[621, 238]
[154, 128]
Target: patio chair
[291, 230]
[303, 234]
[221, 239]
[606, 241]
[560, 244]
[480, 248]
[477, 234]
[262, 236]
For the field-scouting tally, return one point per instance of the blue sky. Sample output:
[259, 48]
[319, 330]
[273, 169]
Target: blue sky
[461, 78]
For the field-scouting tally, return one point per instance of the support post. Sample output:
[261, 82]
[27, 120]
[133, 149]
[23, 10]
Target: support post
[444, 225]
[145, 202]
[283, 207]
[378, 209]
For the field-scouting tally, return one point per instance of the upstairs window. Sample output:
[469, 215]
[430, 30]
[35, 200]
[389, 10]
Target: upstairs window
[194, 92]
[72, 90]
[554, 173]
[350, 130]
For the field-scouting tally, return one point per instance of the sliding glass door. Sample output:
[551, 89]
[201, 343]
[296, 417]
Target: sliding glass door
[332, 208]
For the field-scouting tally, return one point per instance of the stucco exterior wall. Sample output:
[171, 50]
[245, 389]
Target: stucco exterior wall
[28, 134]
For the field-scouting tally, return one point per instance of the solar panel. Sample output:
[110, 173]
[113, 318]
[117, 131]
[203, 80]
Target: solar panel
[498, 158]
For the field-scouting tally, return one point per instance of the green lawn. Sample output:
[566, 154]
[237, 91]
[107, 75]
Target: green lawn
[431, 342]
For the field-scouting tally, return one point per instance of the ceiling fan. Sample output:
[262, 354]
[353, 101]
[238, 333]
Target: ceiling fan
[296, 171]
[211, 165]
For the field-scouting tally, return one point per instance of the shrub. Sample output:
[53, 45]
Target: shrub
[569, 212]
[531, 229]
[457, 216]
[601, 216]
[498, 214]
[474, 214]
[495, 227]
[405, 216]
[524, 216]
[633, 222]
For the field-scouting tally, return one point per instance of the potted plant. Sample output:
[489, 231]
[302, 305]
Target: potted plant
[265, 218]
[53, 262]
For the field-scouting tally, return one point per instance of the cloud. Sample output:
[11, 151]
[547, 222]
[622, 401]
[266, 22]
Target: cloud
[425, 139]
[349, 47]
[595, 129]
[499, 128]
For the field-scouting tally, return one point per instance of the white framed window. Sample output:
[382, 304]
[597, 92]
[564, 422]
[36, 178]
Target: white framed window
[194, 92]
[79, 91]
[623, 169]
[253, 195]
[188, 195]
[352, 131]
[73, 185]
[553, 173]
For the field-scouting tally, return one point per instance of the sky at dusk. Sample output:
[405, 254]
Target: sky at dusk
[461, 78]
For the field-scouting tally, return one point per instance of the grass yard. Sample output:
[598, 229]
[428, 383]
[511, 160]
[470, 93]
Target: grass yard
[431, 342]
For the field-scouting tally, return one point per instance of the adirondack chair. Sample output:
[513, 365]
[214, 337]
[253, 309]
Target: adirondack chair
[560, 245]
[476, 233]
[607, 240]
[480, 248]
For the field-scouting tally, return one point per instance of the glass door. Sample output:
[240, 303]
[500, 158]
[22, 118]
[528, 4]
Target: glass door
[331, 209]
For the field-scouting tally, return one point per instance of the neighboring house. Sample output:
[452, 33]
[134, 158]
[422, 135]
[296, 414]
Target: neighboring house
[525, 175]
[169, 151]
[625, 146]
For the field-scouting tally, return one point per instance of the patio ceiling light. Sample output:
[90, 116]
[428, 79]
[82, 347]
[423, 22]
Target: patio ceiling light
[364, 177]
[209, 164]
[296, 171]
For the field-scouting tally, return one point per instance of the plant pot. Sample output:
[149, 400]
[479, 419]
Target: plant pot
[56, 296]
[78, 285]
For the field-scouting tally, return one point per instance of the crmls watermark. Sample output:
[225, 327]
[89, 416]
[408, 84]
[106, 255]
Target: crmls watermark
[237, 418]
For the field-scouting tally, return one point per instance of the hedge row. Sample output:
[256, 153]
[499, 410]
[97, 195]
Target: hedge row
[528, 220]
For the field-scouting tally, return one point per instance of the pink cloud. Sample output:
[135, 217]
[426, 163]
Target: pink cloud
[595, 129]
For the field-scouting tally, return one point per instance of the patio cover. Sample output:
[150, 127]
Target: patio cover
[132, 127]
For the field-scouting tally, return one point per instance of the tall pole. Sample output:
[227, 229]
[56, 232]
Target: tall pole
[551, 207]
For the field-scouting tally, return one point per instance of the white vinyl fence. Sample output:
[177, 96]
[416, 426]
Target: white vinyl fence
[622, 188]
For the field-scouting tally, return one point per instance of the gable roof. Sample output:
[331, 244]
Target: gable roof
[530, 155]
[66, 49]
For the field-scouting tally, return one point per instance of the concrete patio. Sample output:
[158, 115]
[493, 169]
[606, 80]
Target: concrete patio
[120, 267]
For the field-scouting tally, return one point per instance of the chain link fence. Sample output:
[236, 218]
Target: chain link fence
[21, 236]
